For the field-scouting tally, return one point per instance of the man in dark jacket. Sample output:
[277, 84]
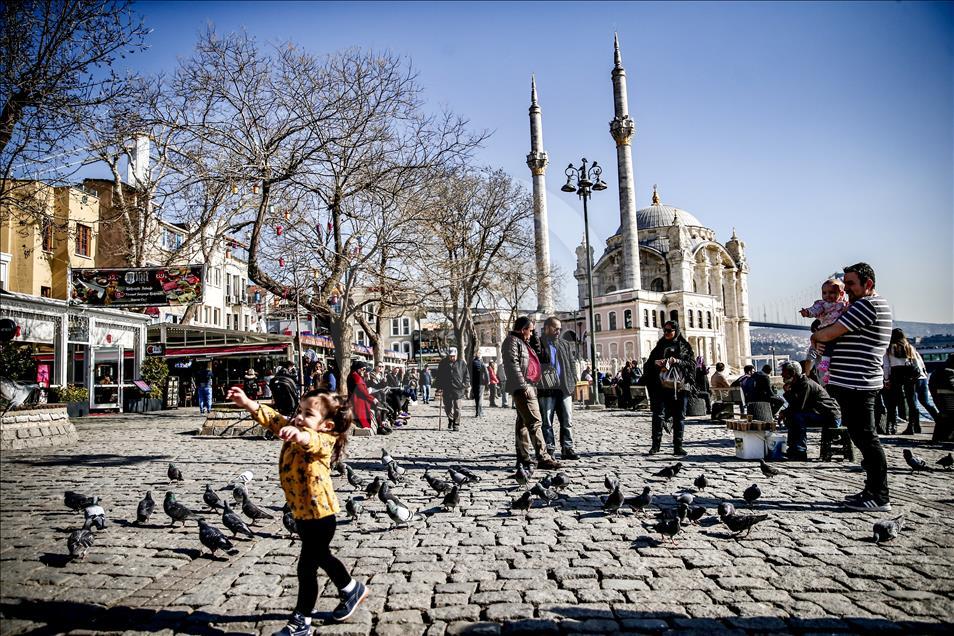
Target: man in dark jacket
[557, 360]
[941, 385]
[453, 381]
[808, 405]
[478, 380]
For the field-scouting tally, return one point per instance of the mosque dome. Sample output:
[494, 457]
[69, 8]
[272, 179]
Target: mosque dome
[659, 215]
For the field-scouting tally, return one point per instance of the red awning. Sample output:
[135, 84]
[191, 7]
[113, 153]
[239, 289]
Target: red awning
[225, 350]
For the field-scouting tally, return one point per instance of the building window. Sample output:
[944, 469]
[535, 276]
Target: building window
[406, 325]
[395, 346]
[205, 315]
[662, 317]
[692, 319]
[614, 350]
[646, 318]
[708, 320]
[656, 285]
[612, 322]
[46, 292]
[217, 317]
[699, 318]
[84, 237]
[246, 323]
[599, 322]
[48, 236]
[628, 319]
[407, 347]
[674, 316]
[395, 326]
[171, 240]
[359, 337]
[599, 350]
[630, 350]
[655, 322]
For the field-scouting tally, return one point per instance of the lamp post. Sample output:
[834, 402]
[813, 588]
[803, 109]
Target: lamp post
[586, 181]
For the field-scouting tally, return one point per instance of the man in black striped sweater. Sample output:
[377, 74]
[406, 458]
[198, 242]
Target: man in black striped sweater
[856, 376]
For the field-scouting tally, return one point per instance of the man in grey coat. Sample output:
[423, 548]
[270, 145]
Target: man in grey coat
[523, 372]
[453, 380]
[557, 360]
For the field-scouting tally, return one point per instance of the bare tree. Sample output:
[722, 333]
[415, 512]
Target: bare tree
[56, 59]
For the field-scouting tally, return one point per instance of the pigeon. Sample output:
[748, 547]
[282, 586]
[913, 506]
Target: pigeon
[239, 493]
[174, 473]
[175, 510]
[145, 508]
[254, 512]
[742, 523]
[288, 520]
[212, 538]
[451, 499]
[522, 476]
[354, 508]
[78, 501]
[916, 463]
[393, 475]
[386, 457]
[684, 497]
[768, 471]
[373, 487]
[701, 482]
[888, 529]
[668, 528]
[385, 495]
[400, 514]
[457, 477]
[610, 482]
[947, 461]
[544, 493]
[340, 468]
[354, 479]
[696, 513]
[523, 502]
[682, 511]
[15, 393]
[96, 517]
[614, 501]
[669, 471]
[234, 522]
[559, 482]
[439, 485]
[211, 499]
[752, 493]
[641, 502]
[80, 541]
[467, 473]
[242, 478]
[726, 509]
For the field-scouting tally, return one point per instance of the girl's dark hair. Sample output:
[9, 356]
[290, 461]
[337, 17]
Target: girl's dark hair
[522, 323]
[339, 411]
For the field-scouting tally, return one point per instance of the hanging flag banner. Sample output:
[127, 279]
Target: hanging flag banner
[137, 286]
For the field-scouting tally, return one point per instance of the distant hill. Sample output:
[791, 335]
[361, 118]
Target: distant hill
[794, 342]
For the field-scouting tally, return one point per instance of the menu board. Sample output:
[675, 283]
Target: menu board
[137, 286]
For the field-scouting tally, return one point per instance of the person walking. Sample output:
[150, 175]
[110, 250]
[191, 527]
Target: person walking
[425, 382]
[901, 371]
[557, 400]
[493, 384]
[453, 381]
[502, 383]
[672, 356]
[523, 372]
[478, 380]
[921, 386]
[856, 375]
[808, 405]
[203, 383]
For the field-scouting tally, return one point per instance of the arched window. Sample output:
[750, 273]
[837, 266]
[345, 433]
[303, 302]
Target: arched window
[699, 318]
[655, 323]
[614, 350]
[599, 351]
[612, 322]
[692, 320]
[646, 317]
[628, 319]
[662, 317]
[656, 285]
[407, 347]
[674, 316]
[598, 322]
[630, 350]
[708, 320]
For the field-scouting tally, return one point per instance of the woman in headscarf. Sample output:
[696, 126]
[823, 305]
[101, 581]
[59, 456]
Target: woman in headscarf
[359, 396]
[671, 352]
[901, 372]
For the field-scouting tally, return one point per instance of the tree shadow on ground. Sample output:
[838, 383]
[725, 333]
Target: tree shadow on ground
[58, 617]
[94, 460]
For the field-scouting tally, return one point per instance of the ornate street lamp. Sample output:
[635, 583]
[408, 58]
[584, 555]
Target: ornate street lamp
[587, 180]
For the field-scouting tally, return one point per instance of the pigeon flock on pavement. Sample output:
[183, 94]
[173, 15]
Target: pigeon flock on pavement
[672, 517]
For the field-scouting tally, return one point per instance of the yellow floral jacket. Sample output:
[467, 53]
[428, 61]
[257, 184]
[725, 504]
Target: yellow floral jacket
[304, 471]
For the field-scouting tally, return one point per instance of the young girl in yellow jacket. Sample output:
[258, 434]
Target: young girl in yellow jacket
[314, 440]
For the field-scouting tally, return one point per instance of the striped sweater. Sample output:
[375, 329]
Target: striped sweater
[857, 355]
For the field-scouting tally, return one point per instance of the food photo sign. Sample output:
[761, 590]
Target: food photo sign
[137, 286]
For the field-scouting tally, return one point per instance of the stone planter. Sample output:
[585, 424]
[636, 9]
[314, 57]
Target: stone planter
[77, 409]
[37, 428]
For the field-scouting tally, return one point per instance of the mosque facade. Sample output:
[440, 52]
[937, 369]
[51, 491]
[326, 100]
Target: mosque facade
[661, 264]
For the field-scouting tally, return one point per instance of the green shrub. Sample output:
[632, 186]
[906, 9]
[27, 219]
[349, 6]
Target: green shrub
[17, 363]
[154, 370]
[70, 394]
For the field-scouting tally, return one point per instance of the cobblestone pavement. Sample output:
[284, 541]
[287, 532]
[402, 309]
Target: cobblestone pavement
[566, 568]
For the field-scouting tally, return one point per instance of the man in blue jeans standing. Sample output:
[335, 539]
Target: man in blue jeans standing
[856, 376]
[808, 405]
[557, 401]
[203, 383]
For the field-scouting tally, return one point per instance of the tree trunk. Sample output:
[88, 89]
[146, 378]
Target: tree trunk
[342, 336]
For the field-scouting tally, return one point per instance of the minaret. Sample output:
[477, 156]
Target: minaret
[537, 162]
[622, 128]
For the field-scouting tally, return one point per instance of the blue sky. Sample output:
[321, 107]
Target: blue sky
[823, 132]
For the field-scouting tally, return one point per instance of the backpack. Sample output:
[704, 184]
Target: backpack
[284, 394]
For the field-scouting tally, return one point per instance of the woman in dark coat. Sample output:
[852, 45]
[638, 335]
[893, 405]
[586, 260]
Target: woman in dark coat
[672, 351]
[359, 396]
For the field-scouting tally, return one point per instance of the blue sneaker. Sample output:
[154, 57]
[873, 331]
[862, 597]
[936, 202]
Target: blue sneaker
[296, 627]
[349, 602]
